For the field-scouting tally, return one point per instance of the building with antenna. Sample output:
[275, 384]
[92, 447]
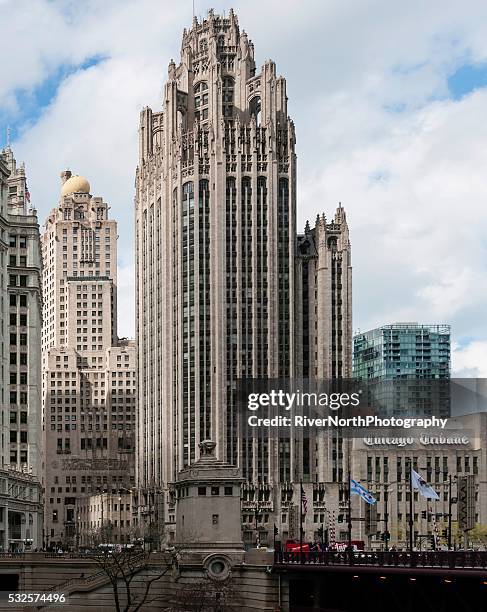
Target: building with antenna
[88, 373]
[225, 287]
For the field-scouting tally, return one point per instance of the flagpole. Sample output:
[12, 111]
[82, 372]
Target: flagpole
[411, 516]
[449, 511]
[349, 508]
[349, 467]
[301, 521]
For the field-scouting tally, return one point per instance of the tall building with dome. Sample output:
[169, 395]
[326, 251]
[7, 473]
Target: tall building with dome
[88, 373]
[225, 287]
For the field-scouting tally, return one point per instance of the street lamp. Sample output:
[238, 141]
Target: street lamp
[77, 530]
[386, 512]
[120, 518]
[102, 491]
[451, 501]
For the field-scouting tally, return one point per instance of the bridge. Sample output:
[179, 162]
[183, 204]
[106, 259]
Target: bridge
[437, 581]
[429, 562]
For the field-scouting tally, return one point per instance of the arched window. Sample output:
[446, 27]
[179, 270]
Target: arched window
[228, 92]
[201, 101]
[255, 107]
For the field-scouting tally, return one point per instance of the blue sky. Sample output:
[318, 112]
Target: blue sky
[388, 100]
[467, 78]
[31, 103]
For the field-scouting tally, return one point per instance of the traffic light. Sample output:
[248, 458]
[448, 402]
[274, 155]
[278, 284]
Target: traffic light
[326, 539]
[340, 518]
[444, 533]
[386, 536]
[320, 532]
[276, 530]
[423, 514]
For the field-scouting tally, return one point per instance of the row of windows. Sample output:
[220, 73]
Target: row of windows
[21, 299]
[15, 280]
[20, 241]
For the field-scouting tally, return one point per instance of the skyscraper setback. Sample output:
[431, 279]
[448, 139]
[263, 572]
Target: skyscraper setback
[225, 288]
[88, 374]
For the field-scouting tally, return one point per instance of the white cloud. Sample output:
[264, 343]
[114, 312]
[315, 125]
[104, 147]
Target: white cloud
[412, 181]
[126, 300]
[470, 360]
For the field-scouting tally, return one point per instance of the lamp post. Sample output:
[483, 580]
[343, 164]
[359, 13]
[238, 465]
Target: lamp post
[102, 491]
[411, 516]
[386, 512]
[451, 501]
[152, 491]
[349, 490]
[120, 518]
[77, 530]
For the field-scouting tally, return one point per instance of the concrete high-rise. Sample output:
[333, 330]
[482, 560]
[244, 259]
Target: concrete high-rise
[226, 289]
[88, 374]
[20, 378]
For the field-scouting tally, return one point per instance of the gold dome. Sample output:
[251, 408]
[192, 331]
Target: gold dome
[75, 184]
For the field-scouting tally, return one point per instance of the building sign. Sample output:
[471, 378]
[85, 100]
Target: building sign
[95, 464]
[423, 440]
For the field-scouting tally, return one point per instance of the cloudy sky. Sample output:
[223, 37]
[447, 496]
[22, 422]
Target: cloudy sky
[390, 105]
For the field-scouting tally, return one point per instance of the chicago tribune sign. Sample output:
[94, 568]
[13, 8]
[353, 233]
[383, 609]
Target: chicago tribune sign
[424, 440]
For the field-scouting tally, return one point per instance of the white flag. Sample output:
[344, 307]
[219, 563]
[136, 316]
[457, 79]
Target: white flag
[419, 483]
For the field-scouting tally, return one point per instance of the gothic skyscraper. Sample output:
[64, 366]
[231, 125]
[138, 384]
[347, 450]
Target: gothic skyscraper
[220, 270]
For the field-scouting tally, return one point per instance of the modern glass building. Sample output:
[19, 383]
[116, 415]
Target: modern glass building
[396, 358]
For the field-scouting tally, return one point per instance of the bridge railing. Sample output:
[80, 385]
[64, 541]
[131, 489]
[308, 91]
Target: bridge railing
[427, 559]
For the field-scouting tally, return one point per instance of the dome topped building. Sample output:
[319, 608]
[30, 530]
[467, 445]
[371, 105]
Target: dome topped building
[74, 184]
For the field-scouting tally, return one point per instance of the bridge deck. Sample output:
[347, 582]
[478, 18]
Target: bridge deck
[472, 563]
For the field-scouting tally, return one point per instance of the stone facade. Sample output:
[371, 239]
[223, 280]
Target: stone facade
[20, 291]
[225, 288]
[25, 323]
[105, 518]
[88, 374]
[381, 465]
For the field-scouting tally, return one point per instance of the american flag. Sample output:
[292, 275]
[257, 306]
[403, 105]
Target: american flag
[27, 194]
[304, 501]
